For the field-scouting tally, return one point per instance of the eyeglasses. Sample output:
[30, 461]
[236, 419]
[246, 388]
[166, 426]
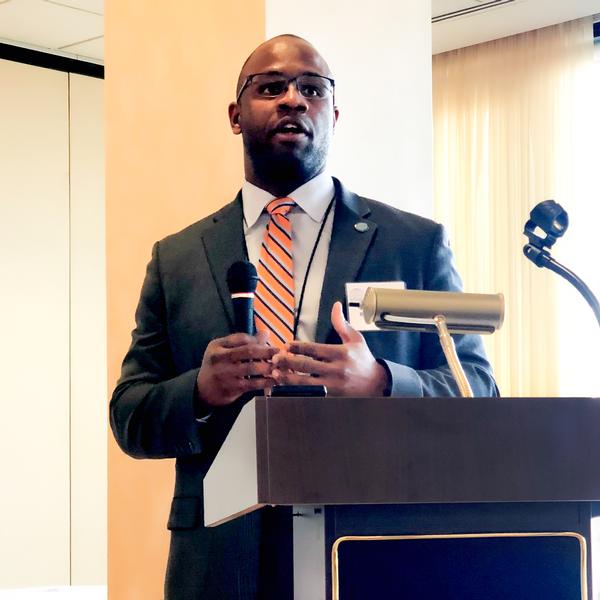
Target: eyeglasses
[272, 85]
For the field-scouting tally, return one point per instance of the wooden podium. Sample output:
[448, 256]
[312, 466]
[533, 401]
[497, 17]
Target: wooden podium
[429, 477]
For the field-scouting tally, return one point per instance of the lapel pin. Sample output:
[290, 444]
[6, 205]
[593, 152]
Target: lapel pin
[361, 226]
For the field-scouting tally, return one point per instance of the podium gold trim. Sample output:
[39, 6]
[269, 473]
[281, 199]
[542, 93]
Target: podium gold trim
[353, 538]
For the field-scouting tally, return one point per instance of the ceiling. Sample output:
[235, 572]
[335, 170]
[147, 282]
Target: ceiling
[507, 18]
[75, 28]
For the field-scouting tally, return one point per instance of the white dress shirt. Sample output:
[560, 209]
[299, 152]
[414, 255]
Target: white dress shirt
[312, 200]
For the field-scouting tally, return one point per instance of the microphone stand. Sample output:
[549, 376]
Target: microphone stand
[541, 258]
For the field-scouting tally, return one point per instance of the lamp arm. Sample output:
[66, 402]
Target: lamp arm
[452, 358]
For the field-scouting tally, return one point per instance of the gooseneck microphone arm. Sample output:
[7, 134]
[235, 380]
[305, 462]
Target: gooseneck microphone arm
[542, 258]
[553, 220]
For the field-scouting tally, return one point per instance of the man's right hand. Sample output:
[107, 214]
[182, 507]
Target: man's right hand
[229, 362]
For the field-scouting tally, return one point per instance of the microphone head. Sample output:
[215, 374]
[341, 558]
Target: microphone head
[242, 277]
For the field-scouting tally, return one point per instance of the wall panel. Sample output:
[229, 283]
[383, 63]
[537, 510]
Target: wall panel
[34, 304]
[88, 333]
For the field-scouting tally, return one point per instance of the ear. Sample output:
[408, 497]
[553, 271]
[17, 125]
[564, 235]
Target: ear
[234, 118]
[336, 114]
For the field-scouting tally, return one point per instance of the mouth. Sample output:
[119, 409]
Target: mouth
[289, 130]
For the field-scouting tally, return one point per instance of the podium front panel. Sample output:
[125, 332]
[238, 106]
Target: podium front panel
[519, 566]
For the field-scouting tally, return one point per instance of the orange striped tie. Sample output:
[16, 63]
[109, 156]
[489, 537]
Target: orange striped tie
[274, 297]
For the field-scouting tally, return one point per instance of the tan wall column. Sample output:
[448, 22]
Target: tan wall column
[171, 159]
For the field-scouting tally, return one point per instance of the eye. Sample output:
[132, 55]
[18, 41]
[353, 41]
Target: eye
[312, 90]
[270, 89]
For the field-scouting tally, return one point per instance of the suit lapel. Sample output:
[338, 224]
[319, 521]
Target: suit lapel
[224, 244]
[347, 251]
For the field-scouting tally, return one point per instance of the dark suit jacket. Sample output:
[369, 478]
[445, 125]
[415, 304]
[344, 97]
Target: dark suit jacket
[185, 304]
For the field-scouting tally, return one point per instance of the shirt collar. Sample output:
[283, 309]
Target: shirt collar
[313, 197]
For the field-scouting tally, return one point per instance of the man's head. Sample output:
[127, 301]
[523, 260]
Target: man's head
[286, 123]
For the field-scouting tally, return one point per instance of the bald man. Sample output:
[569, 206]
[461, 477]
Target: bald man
[185, 376]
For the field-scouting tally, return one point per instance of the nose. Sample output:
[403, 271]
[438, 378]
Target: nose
[293, 98]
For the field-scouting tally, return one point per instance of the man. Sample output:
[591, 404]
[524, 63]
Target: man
[186, 375]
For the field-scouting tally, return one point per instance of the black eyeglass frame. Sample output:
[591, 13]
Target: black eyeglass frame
[288, 80]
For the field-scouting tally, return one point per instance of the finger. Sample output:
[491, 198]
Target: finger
[226, 372]
[289, 378]
[304, 364]
[346, 332]
[247, 352]
[237, 339]
[280, 356]
[333, 385]
[256, 368]
[324, 352]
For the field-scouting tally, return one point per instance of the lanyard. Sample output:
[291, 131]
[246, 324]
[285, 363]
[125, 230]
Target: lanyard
[310, 262]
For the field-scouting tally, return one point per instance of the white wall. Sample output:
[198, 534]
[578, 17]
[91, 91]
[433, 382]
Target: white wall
[380, 54]
[53, 351]
[89, 483]
[34, 304]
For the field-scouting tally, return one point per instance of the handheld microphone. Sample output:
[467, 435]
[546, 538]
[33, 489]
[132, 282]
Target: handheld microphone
[241, 281]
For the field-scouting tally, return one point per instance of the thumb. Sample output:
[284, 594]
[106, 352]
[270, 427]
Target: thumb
[346, 332]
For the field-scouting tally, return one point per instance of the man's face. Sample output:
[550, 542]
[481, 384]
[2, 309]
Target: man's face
[287, 135]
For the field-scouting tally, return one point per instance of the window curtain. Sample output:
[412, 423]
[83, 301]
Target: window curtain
[514, 124]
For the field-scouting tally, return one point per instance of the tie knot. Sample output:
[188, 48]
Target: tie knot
[280, 206]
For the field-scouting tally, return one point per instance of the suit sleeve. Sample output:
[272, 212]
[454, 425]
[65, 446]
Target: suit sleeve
[153, 410]
[433, 376]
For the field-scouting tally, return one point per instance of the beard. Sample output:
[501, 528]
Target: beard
[292, 164]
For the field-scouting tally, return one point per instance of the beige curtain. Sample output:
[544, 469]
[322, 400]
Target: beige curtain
[510, 123]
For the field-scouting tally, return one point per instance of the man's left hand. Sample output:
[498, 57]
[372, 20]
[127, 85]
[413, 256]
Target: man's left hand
[346, 369]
